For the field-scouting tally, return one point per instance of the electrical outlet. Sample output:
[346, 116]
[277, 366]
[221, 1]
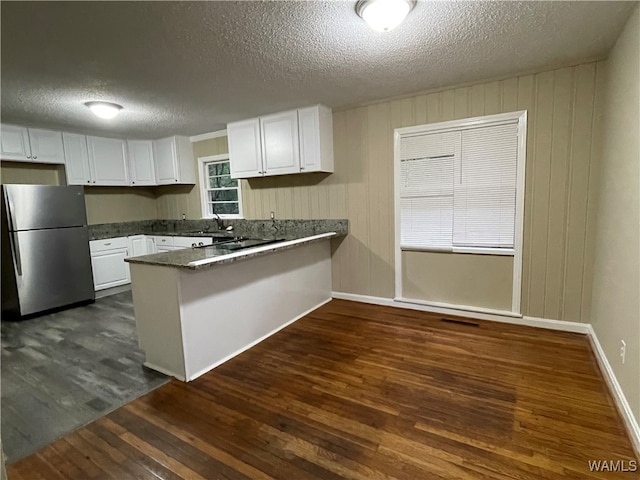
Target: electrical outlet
[623, 350]
[272, 215]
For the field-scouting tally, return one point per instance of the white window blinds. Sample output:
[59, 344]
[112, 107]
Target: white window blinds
[484, 206]
[458, 189]
[426, 190]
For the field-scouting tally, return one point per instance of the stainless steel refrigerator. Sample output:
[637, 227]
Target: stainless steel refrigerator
[46, 262]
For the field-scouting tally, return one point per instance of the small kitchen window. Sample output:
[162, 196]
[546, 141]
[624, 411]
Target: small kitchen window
[220, 194]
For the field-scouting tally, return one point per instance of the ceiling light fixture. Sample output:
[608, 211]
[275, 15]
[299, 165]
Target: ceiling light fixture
[384, 15]
[104, 109]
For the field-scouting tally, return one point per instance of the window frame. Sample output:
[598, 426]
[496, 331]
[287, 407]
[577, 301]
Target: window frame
[203, 178]
[519, 117]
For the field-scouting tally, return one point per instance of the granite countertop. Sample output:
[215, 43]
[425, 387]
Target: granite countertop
[212, 255]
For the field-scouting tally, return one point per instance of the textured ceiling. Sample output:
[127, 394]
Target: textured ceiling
[191, 67]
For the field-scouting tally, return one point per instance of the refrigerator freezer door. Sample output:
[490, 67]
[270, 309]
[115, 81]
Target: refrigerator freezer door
[33, 207]
[55, 268]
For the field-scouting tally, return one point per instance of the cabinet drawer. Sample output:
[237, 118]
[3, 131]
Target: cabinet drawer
[162, 241]
[107, 244]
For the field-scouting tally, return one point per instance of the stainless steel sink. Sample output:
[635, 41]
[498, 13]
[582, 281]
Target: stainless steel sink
[241, 244]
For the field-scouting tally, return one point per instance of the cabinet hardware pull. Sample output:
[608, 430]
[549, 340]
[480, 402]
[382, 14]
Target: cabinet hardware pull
[107, 244]
[28, 156]
[35, 157]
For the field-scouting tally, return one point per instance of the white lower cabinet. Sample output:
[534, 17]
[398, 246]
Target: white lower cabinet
[107, 256]
[163, 243]
[107, 261]
[137, 245]
[151, 244]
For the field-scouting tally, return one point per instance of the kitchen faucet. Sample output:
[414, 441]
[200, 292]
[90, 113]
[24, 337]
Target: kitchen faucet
[220, 223]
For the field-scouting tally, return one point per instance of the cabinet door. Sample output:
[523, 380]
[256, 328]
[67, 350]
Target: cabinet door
[109, 268]
[280, 144]
[164, 151]
[245, 150]
[137, 245]
[316, 139]
[141, 165]
[76, 159]
[151, 245]
[108, 160]
[15, 143]
[46, 146]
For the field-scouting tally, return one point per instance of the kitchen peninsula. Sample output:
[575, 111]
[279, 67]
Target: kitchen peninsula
[197, 308]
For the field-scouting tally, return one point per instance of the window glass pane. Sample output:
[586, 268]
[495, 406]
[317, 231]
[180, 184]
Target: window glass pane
[218, 168]
[218, 182]
[223, 195]
[224, 208]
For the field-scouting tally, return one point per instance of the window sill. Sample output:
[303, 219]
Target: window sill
[224, 217]
[468, 250]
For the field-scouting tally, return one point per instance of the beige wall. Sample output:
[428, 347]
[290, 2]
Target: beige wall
[461, 279]
[37, 174]
[120, 204]
[104, 204]
[616, 279]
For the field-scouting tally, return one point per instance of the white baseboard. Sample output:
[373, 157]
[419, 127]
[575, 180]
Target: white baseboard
[585, 328]
[616, 391]
[494, 317]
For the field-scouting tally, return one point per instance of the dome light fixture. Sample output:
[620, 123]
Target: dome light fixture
[106, 110]
[384, 15]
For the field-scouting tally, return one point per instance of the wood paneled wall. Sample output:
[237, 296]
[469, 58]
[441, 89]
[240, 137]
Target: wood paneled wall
[560, 151]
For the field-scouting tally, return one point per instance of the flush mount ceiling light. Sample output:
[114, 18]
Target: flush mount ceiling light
[384, 15]
[104, 109]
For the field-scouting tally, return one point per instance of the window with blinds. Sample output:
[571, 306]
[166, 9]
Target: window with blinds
[458, 188]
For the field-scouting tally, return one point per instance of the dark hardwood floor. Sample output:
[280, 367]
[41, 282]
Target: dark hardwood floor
[364, 392]
[65, 369]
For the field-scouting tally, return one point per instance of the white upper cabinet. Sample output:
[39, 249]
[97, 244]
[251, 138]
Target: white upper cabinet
[315, 125]
[174, 162]
[108, 161]
[141, 164]
[245, 148]
[283, 143]
[31, 145]
[15, 143]
[76, 159]
[280, 147]
[46, 146]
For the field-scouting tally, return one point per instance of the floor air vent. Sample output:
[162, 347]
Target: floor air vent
[466, 323]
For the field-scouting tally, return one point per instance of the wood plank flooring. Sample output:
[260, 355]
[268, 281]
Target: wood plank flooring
[364, 392]
[65, 369]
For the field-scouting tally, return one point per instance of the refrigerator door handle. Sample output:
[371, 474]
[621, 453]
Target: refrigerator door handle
[15, 248]
[9, 206]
